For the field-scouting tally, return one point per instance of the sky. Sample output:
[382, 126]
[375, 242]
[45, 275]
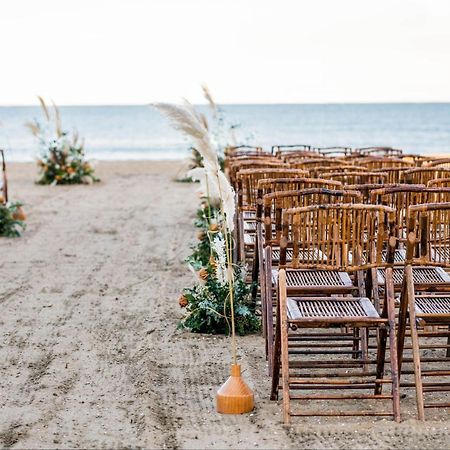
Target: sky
[247, 51]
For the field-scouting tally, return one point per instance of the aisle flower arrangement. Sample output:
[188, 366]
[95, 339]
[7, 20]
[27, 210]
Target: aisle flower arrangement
[62, 159]
[12, 216]
[220, 301]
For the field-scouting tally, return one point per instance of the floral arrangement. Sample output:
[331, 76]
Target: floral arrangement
[62, 159]
[12, 216]
[12, 219]
[220, 300]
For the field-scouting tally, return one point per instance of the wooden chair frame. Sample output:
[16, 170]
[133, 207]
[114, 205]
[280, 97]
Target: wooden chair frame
[4, 188]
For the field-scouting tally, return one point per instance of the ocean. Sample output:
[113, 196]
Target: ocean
[140, 132]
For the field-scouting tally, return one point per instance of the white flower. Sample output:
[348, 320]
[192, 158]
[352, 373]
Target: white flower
[218, 246]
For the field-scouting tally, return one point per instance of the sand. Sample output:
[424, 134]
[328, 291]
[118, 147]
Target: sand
[89, 351]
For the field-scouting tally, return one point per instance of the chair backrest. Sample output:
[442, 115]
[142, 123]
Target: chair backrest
[278, 150]
[401, 197]
[384, 162]
[311, 163]
[422, 175]
[429, 234]
[444, 163]
[255, 157]
[319, 171]
[247, 182]
[439, 182]
[334, 151]
[357, 177]
[242, 149]
[236, 166]
[382, 151]
[276, 202]
[293, 184]
[419, 160]
[298, 156]
[395, 175]
[346, 237]
[366, 189]
[3, 180]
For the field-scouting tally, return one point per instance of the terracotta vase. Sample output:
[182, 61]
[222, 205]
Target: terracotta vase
[234, 396]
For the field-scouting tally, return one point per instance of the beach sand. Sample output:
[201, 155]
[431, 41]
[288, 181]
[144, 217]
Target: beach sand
[89, 351]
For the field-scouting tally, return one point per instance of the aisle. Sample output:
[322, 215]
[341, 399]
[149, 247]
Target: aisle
[90, 355]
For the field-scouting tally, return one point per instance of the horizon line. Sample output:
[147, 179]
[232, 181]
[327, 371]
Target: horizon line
[431, 102]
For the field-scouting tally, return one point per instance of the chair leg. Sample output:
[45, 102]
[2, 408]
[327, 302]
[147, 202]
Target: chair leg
[284, 329]
[364, 347]
[390, 306]
[415, 344]
[269, 306]
[448, 343]
[274, 362]
[255, 272]
[402, 319]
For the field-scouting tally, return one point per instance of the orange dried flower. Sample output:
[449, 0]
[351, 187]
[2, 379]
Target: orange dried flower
[19, 214]
[203, 274]
[201, 235]
[183, 301]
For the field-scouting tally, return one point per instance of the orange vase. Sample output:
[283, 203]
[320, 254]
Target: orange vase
[234, 396]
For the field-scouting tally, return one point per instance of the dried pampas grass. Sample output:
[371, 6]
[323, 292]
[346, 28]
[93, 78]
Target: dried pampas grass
[210, 100]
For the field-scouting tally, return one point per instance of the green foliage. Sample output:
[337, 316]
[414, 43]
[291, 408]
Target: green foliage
[208, 306]
[9, 226]
[201, 252]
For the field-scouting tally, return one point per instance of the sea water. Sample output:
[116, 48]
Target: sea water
[140, 132]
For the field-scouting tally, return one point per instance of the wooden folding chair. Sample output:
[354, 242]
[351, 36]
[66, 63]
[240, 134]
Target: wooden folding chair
[3, 181]
[428, 245]
[267, 252]
[339, 235]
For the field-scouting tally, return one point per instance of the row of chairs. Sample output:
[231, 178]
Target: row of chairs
[347, 273]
